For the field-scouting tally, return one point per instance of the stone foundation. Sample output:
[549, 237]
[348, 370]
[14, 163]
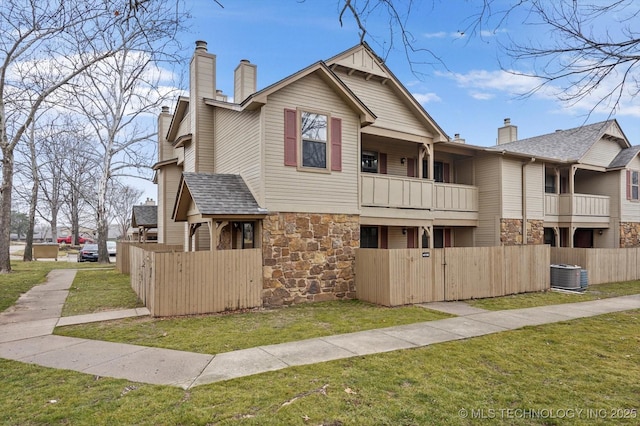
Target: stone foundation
[511, 232]
[629, 234]
[308, 257]
[535, 232]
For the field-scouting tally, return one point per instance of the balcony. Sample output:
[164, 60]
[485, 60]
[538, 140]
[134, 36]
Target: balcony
[412, 193]
[577, 207]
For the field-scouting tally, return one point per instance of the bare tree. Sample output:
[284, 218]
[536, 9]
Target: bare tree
[121, 200]
[44, 45]
[584, 50]
[118, 97]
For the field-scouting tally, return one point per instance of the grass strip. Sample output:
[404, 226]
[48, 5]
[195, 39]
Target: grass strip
[218, 333]
[530, 300]
[26, 275]
[571, 373]
[100, 290]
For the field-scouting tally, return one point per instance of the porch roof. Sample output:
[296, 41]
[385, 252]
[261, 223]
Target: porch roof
[624, 157]
[145, 216]
[215, 194]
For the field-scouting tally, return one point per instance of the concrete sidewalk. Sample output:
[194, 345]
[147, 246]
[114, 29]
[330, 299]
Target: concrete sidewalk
[25, 335]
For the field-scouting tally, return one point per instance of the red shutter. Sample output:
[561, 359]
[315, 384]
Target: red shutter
[411, 167]
[383, 163]
[445, 173]
[384, 237]
[628, 184]
[336, 144]
[411, 238]
[290, 137]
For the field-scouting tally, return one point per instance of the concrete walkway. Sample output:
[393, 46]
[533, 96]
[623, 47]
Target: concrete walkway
[25, 335]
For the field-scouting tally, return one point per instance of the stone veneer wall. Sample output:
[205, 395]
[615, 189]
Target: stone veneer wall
[535, 232]
[629, 234]
[308, 257]
[511, 232]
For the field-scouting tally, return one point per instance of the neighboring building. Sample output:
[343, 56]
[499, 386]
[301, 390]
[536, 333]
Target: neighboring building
[339, 155]
[576, 187]
[144, 222]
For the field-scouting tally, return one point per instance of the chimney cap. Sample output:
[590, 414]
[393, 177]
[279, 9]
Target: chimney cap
[245, 61]
[165, 108]
[457, 136]
[201, 45]
[507, 121]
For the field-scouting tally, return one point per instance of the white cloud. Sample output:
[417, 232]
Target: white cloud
[439, 34]
[482, 96]
[425, 98]
[444, 34]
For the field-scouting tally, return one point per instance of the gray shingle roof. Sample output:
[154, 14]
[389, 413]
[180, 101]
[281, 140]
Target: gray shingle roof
[221, 194]
[624, 157]
[564, 145]
[145, 216]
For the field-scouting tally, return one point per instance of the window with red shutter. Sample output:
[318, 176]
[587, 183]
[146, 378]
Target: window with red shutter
[336, 144]
[383, 163]
[290, 137]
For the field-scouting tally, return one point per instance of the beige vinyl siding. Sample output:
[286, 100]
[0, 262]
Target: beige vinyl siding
[464, 171]
[462, 237]
[202, 85]
[238, 148]
[392, 113]
[488, 177]
[396, 239]
[535, 191]
[170, 232]
[290, 189]
[602, 153]
[189, 157]
[630, 210]
[596, 183]
[179, 153]
[511, 189]
[205, 140]
[185, 126]
[395, 150]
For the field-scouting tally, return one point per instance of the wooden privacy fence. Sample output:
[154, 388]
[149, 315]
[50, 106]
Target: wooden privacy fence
[123, 252]
[188, 283]
[603, 265]
[405, 276]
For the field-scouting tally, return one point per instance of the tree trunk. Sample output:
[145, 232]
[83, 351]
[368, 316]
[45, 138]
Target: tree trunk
[101, 215]
[5, 207]
[27, 257]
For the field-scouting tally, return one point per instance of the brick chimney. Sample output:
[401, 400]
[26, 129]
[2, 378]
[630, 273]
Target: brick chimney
[507, 133]
[245, 77]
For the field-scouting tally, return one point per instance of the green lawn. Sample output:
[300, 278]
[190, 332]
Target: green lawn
[528, 300]
[25, 275]
[555, 370]
[99, 290]
[214, 334]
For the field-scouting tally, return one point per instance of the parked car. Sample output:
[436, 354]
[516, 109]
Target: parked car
[111, 248]
[88, 253]
[69, 240]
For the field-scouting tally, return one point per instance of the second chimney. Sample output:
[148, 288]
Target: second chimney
[245, 77]
[507, 133]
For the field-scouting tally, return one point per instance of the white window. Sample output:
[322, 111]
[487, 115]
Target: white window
[314, 131]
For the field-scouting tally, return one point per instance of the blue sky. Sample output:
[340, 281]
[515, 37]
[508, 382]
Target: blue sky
[467, 93]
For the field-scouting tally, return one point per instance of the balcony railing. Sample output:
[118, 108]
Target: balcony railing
[399, 192]
[576, 205]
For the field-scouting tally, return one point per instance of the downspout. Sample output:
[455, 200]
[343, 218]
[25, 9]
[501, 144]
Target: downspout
[524, 199]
